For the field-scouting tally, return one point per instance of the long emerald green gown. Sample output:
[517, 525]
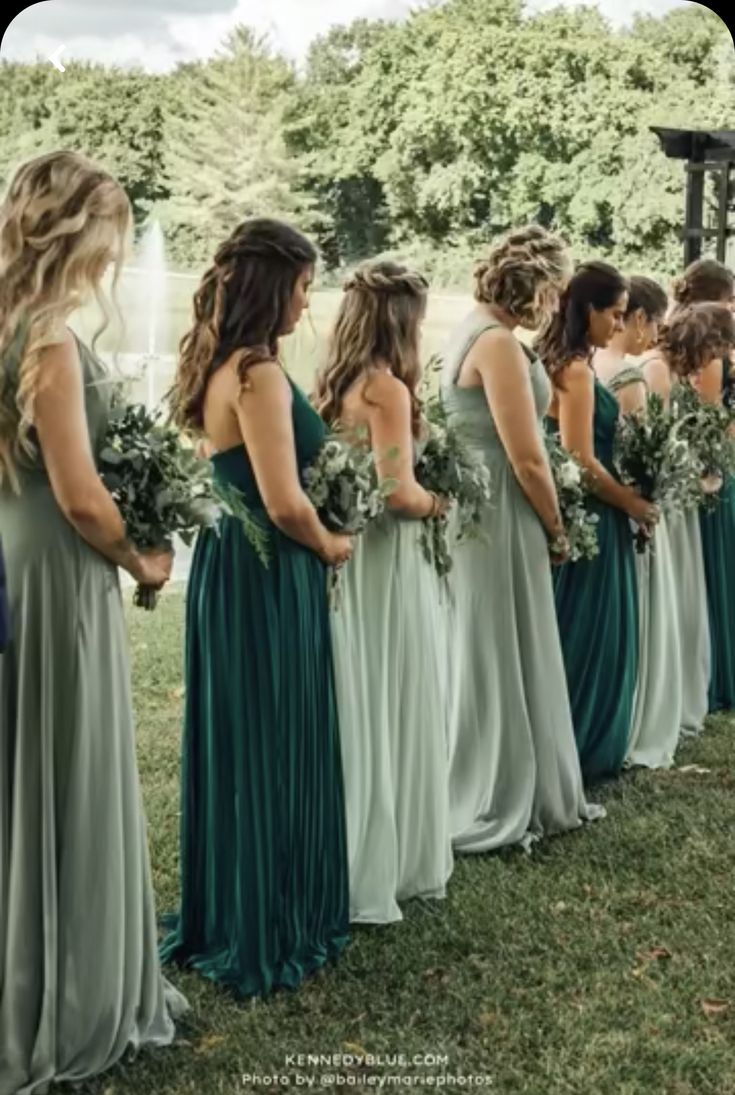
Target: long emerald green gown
[597, 609]
[80, 980]
[718, 550]
[263, 841]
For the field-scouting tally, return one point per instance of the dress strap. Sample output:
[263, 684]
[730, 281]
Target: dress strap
[467, 339]
[631, 374]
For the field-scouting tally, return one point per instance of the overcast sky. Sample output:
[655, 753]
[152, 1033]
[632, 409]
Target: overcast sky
[159, 33]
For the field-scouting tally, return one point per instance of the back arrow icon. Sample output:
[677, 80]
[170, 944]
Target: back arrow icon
[54, 59]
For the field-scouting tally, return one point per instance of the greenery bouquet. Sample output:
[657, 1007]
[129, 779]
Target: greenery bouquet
[571, 482]
[707, 429]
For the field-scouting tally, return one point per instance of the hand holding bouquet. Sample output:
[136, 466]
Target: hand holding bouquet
[580, 524]
[160, 487]
[707, 429]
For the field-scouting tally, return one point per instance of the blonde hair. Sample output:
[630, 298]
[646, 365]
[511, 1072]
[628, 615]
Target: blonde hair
[378, 321]
[62, 220]
[518, 269]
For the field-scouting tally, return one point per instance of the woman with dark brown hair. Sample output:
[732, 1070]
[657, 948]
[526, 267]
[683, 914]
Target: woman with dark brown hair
[388, 629]
[514, 769]
[596, 600]
[263, 854]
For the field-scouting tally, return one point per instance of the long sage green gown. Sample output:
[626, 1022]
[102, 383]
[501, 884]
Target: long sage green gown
[597, 609]
[718, 551]
[657, 712]
[80, 981]
[514, 769]
[264, 878]
[390, 657]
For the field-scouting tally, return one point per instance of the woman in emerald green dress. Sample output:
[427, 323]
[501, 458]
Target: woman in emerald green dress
[710, 281]
[263, 845]
[596, 600]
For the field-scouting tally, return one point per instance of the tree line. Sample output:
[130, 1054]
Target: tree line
[426, 137]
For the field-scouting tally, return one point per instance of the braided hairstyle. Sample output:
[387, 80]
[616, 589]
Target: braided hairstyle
[241, 306]
[522, 273]
[378, 322]
[695, 335]
[704, 280]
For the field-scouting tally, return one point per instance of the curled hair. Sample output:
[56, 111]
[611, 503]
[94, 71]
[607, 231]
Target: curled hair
[62, 221]
[520, 267]
[704, 280]
[378, 322]
[695, 335]
[241, 307]
[594, 287]
[646, 295]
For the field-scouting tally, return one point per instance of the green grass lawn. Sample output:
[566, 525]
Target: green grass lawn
[604, 963]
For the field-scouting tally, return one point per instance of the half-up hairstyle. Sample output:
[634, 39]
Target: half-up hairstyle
[378, 322]
[519, 271]
[241, 306]
[695, 335]
[62, 221]
[595, 286]
[704, 280]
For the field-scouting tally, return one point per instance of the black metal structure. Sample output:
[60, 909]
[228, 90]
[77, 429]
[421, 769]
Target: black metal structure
[706, 152]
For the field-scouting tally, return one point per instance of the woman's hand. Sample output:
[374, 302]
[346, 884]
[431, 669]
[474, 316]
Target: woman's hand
[336, 549]
[152, 568]
[643, 512]
[559, 550]
[711, 484]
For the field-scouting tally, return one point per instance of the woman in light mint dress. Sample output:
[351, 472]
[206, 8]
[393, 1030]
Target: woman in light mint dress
[80, 982]
[657, 710]
[514, 769]
[688, 350]
[388, 625]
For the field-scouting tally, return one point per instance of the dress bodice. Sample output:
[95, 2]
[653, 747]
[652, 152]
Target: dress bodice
[232, 467]
[467, 408]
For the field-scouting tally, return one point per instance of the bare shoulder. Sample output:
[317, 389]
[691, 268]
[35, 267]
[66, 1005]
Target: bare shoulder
[385, 390]
[63, 354]
[578, 375]
[266, 380]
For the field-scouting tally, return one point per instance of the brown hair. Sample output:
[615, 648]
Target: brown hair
[695, 335]
[378, 320]
[519, 267]
[646, 295]
[62, 221]
[241, 306]
[703, 280]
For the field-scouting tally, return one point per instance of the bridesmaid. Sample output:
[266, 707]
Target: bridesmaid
[596, 600]
[658, 704]
[389, 634]
[263, 845]
[710, 281]
[80, 981]
[514, 770]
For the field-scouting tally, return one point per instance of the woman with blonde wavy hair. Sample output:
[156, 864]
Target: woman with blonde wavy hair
[264, 896]
[79, 973]
[388, 630]
[514, 768]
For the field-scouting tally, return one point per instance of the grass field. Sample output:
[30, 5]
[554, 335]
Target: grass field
[604, 964]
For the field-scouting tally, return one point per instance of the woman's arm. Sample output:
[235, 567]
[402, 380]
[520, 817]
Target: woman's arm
[658, 377]
[708, 381]
[631, 397]
[264, 410]
[61, 424]
[389, 421]
[576, 426]
[502, 366]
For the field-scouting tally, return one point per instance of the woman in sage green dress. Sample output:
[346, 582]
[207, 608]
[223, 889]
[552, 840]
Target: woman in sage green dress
[388, 628]
[80, 981]
[689, 342]
[514, 770]
[263, 847]
[658, 703]
[709, 281]
[596, 600]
